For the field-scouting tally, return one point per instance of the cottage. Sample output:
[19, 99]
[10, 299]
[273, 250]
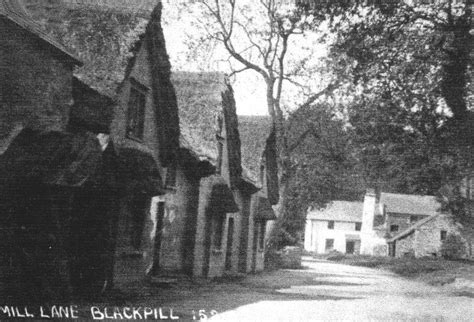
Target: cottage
[145, 131]
[259, 163]
[425, 238]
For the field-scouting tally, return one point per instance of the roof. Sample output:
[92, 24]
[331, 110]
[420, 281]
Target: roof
[409, 204]
[199, 98]
[53, 158]
[254, 131]
[92, 109]
[263, 209]
[412, 228]
[14, 11]
[350, 211]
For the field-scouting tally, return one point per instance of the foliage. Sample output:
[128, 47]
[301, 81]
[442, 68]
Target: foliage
[321, 169]
[453, 247]
[408, 115]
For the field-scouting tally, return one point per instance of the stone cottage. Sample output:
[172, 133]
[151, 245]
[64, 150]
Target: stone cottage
[425, 238]
[58, 171]
[258, 160]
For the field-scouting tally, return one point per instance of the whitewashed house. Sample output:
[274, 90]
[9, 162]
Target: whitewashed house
[337, 227]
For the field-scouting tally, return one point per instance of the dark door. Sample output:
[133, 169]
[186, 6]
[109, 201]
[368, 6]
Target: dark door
[391, 249]
[158, 233]
[350, 246]
[230, 238]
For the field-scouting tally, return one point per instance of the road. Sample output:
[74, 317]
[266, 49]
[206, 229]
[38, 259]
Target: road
[326, 291]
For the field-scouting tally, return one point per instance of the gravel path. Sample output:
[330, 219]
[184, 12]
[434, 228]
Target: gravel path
[335, 292]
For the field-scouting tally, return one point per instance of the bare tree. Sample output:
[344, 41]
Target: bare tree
[259, 39]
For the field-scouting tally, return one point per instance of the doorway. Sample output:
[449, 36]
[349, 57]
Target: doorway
[350, 246]
[230, 238]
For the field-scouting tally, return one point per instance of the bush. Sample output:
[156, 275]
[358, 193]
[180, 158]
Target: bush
[335, 255]
[453, 247]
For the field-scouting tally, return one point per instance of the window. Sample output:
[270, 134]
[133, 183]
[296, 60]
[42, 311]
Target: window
[217, 229]
[329, 244]
[393, 228]
[220, 151]
[358, 226]
[136, 111]
[443, 234]
[331, 224]
[261, 235]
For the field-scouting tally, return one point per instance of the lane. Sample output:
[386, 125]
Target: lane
[362, 294]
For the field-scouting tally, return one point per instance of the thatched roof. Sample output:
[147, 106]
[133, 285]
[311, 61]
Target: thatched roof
[164, 96]
[92, 110]
[254, 131]
[13, 11]
[200, 102]
[140, 171]
[51, 158]
[263, 209]
[220, 199]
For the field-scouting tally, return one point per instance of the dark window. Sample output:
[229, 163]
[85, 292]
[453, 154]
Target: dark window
[358, 226]
[220, 147]
[136, 111]
[261, 235]
[331, 224]
[393, 228]
[329, 244]
[443, 234]
[217, 229]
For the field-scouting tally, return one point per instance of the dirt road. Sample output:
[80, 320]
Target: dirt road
[329, 291]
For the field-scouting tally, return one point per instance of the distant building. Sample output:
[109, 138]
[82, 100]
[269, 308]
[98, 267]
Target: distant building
[424, 238]
[337, 227]
[384, 224]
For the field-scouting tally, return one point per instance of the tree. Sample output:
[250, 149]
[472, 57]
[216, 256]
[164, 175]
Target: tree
[266, 38]
[322, 166]
[410, 116]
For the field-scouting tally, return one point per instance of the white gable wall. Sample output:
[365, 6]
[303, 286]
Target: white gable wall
[317, 232]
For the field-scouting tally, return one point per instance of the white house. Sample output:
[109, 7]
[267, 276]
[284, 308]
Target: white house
[337, 227]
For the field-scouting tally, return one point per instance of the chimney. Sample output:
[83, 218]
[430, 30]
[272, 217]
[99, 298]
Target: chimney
[368, 211]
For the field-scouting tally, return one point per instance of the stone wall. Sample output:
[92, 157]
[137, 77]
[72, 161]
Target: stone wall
[36, 85]
[179, 226]
[426, 239]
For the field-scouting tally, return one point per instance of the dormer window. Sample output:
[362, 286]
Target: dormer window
[136, 110]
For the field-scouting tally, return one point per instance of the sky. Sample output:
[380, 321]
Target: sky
[181, 28]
